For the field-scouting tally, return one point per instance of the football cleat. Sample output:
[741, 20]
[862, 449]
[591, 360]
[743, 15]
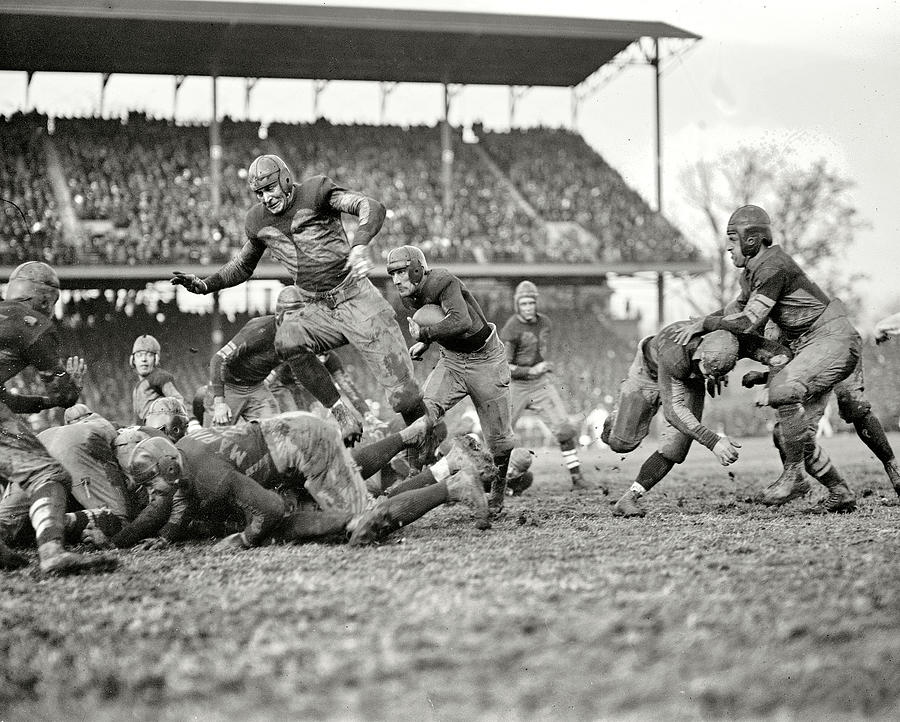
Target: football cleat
[56, 561]
[791, 485]
[466, 454]
[465, 487]
[629, 506]
[517, 485]
[840, 500]
[350, 422]
[374, 524]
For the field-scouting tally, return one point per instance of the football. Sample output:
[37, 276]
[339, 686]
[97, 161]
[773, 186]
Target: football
[429, 315]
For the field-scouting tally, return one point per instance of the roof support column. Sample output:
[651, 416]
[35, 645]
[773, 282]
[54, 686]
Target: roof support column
[386, 89]
[318, 87]
[660, 278]
[215, 156]
[179, 81]
[447, 155]
[516, 93]
[249, 85]
[103, 83]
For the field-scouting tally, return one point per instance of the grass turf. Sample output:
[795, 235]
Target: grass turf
[711, 607]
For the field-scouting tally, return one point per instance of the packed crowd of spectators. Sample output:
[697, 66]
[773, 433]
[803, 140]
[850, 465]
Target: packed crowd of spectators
[142, 187]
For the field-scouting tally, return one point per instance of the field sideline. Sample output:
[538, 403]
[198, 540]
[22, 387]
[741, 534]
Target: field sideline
[710, 607]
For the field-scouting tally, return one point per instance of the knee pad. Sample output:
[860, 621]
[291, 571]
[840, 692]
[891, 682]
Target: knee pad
[676, 450]
[786, 392]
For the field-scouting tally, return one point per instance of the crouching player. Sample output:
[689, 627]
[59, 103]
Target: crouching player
[665, 373]
[28, 338]
[245, 464]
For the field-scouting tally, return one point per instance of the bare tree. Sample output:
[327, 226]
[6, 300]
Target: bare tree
[813, 216]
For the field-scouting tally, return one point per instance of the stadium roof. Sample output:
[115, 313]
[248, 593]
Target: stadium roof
[260, 40]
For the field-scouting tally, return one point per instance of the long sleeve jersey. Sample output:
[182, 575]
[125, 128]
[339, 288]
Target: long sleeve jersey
[464, 328]
[307, 238]
[679, 377]
[247, 359]
[772, 286]
[29, 338]
[527, 343]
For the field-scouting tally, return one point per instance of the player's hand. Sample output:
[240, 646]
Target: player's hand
[689, 331]
[192, 283]
[95, 538]
[221, 412]
[359, 262]
[715, 384]
[754, 378]
[539, 369]
[153, 544]
[417, 350]
[414, 329]
[726, 450]
[76, 368]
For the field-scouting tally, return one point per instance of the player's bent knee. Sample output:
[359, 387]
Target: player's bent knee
[789, 392]
[853, 410]
[622, 446]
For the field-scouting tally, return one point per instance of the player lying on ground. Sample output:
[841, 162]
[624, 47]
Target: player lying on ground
[299, 452]
[676, 377]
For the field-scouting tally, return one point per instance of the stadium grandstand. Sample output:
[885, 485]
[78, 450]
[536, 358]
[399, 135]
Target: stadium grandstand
[116, 203]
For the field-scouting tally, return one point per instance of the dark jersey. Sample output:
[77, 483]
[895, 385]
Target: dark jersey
[773, 286]
[465, 328]
[247, 359]
[673, 367]
[28, 338]
[527, 342]
[307, 238]
[155, 385]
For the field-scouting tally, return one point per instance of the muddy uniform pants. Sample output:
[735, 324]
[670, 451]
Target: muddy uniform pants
[248, 403]
[366, 321]
[638, 402]
[483, 376]
[542, 398]
[307, 448]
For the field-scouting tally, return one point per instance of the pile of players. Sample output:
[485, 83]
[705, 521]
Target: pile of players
[265, 470]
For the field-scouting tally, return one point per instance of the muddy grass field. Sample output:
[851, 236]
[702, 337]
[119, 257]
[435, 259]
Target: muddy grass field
[711, 607]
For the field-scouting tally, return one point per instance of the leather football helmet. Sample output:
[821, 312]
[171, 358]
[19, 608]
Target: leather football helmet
[410, 259]
[753, 229]
[526, 289]
[169, 415]
[267, 169]
[35, 284]
[155, 457]
[718, 352]
[147, 343]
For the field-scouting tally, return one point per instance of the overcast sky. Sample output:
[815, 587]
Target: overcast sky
[822, 75]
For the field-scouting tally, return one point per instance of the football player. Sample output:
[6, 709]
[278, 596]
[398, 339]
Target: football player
[300, 454]
[238, 371]
[28, 338]
[300, 223]
[826, 348]
[153, 381]
[472, 361]
[526, 337]
[665, 373]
